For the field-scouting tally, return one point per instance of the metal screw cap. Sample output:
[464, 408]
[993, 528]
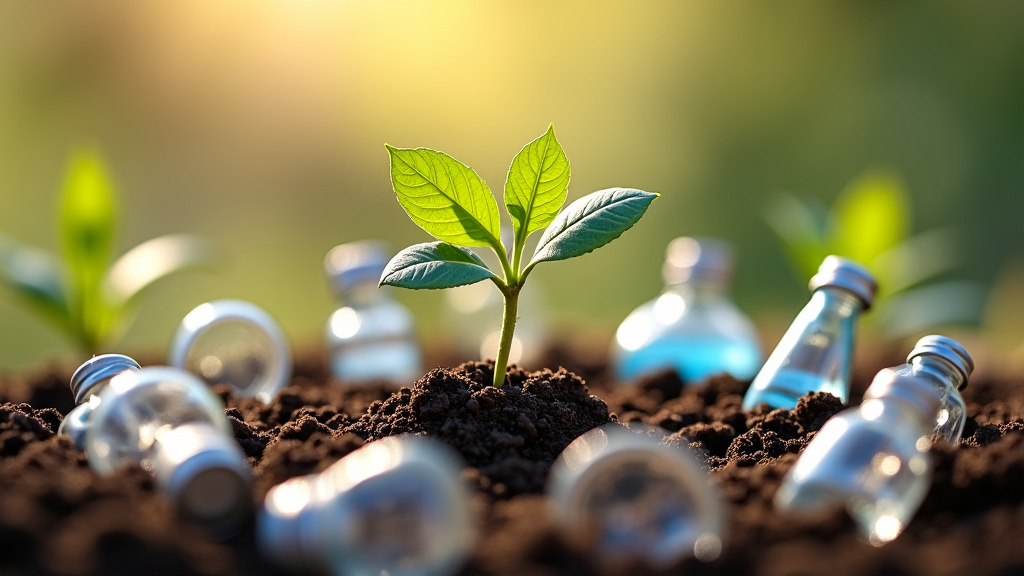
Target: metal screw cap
[96, 370]
[914, 391]
[949, 350]
[848, 275]
[356, 262]
[697, 258]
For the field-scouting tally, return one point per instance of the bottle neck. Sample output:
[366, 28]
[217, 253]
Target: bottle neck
[837, 300]
[937, 369]
[362, 295]
[693, 290]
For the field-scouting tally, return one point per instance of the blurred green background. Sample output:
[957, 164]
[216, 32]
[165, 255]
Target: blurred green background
[261, 125]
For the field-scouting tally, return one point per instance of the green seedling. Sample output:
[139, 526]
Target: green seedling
[85, 292]
[448, 200]
[870, 222]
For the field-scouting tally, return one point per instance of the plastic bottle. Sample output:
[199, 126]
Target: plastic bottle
[874, 459]
[622, 495]
[233, 342]
[816, 353]
[170, 423]
[693, 326]
[396, 506]
[371, 337]
[86, 384]
[947, 365]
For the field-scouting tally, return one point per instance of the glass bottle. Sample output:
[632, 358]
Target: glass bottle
[692, 326]
[86, 384]
[233, 342]
[396, 506]
[947, 365]
[371, 336]
[874, 459]
[621, 494]
[816, 353]
[171, 424]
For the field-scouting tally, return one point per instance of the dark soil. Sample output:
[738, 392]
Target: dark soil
[58, 517]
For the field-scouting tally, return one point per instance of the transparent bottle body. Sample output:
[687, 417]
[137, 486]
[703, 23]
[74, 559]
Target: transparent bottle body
[235, 352]
[814, 355]
[373, 339]
[952, 415]
[623, 496]
[874, 459]
[697, 331]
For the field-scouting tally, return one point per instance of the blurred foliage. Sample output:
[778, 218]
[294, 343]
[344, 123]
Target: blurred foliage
[870, 223]
[85, 292]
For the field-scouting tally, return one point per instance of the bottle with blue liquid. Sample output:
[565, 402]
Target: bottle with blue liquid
[371, 336]
[873, 459]
[946, 365]
[692, 326]
[816, 353]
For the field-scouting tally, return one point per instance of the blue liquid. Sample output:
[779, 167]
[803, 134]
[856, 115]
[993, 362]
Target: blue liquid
[784, 388]
[693, 358]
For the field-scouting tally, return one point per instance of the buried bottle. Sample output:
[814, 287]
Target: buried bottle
[233, 342]
[874, 459]
[692, 326]
[371, 336]
[170, 423]
[396, 506]
[86, 384]
[816, 353]
[622, 495]
[946, 365]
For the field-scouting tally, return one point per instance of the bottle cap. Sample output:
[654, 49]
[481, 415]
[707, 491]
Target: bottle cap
[348, 265]
[282, 525]
[206, 476]
[949, 350]
[914, 391]
[697, 258]
[848, 275]
[96, 370]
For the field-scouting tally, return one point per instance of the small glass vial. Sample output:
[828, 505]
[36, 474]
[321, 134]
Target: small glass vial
[371, 337]
[947, 365]
[171, 424]
[693, 326]
[233, 342]
[874, 459]
[396, 506]
[816, 353]
[621, 494]
[86, 384]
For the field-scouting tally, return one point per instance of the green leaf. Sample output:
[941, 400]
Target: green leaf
[536, 186]
[151, 261]
[871, 216]
[434, 265]
[88, 212]
[591, 222]
[36, 276]
[445, 197]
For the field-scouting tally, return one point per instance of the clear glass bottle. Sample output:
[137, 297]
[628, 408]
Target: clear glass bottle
[371, 337]
[874, 459]
[621, 494]
[947, 365]
[816, 353]
[233, 342]
[396, 506]
[171, 424]
[86, 384]
[693, 326]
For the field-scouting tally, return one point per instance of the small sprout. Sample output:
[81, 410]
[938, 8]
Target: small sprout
[87, 294]
[448, 200]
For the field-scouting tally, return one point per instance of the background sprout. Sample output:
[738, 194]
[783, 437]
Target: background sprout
[870, 222]
[448, 200]
[84, 291]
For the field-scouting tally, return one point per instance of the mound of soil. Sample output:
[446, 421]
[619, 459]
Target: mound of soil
[58, 517]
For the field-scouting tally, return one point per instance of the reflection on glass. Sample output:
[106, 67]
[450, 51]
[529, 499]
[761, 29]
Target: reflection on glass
[86, 384]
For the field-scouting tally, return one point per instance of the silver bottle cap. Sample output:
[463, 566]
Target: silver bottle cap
[96, 370]
[914, 391]
[205, 474]
[949, 350]
[348, 265]
[697, 258]
[848, 275]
